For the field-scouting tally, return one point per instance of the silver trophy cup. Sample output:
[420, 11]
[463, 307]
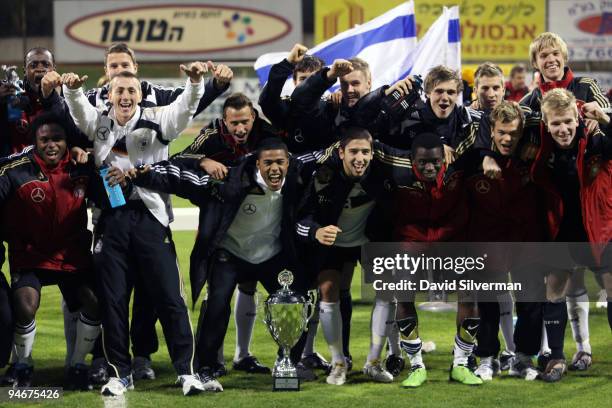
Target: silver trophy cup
[286, 316]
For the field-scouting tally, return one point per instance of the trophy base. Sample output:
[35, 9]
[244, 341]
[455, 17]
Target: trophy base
[286, 384]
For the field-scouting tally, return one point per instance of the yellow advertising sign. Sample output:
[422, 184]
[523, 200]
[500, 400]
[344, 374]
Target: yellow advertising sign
[494, 30]
[179, 29]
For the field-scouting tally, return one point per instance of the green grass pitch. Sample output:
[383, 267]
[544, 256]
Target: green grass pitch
[589, 389]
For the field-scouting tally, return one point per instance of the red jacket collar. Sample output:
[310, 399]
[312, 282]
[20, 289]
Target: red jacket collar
[50, 170]
[563, 83]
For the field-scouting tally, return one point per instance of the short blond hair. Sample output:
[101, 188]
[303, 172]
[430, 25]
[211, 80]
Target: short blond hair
[489, 70]
[441, 73]
[544, 40]
[361, 65]
[558, 100]
[507, 112]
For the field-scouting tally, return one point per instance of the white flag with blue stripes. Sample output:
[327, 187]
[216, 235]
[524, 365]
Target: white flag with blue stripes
[441, 45]
[385, 42]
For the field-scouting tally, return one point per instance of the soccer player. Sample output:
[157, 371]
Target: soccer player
[15, 132]
[224, 142]
[119, 58]
[549, 56]
[338, 207]
[436, 195]
[575, 165]
[126, 136]
[504, 209]
[246, 232]
[301, 135]
[45, 225]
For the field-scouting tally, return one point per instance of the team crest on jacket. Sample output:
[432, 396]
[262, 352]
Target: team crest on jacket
[483, 186]
[37, 195]
[249, 209]
[102, 133]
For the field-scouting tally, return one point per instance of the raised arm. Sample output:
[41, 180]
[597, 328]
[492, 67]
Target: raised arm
[86, 118]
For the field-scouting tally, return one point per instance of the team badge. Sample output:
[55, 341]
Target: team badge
[102, 133]
[483, 186]
[37, 195]
[249, 209]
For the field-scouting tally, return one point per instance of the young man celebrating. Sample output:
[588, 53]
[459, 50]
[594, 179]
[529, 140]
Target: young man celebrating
[246, 232]
[278, 110]
[575, 165]
[127, 136]
[45, 224]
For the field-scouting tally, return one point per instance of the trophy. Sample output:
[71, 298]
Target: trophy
[286, 316]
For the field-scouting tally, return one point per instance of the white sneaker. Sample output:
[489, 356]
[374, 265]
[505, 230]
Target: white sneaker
[337, 376]
[602, 302]
[191, 384]
[117, 386]
[522, 367]
[488, 368]
[374, 370]
[210, 384]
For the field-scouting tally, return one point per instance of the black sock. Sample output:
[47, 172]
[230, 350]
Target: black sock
[346, 311]
[555, 320]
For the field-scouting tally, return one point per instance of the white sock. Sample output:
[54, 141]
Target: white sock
[393, 334]
[313, 325]
[380, 315]
[24, 341]
[245, 311]
[461, 351]
[544, 349]
[331, 323]
[578, 315]
[87, 331]
[506, 322]
[70, 330]
[413, 350]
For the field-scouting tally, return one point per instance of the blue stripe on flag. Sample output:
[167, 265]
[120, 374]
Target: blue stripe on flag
[454, 31]
[400, 27]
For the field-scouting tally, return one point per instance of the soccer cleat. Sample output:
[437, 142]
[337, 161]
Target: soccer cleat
[543, 360]
[209, 382]
[23, 375]
[581, 361]
[602, 302]
[554, 370]
[316, 361]
[219, 370]
[523, 368]
[374, 371]
[78, 378]
[416, 378]
[9, 377]
[488, 368]
[141, 369]
[305, 373]
[117, 386]
[190, 383]
[505, 360]
[464, 375]
[349, 363]
[394, 364]
[98, 373]
[337, 376]
[251, 365]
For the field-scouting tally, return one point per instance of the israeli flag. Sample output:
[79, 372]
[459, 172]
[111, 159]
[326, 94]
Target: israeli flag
[441, 45]
[385, 42]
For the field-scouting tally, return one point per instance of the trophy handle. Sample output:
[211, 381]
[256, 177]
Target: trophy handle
[312, 302]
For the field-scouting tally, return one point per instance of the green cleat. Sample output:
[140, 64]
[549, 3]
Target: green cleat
[464, 375]
[416, 378]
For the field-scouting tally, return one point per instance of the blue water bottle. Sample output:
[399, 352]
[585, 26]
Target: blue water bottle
[115, 194]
